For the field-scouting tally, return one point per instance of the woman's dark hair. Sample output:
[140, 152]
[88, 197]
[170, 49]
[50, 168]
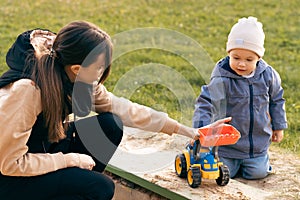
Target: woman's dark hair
[72, 45]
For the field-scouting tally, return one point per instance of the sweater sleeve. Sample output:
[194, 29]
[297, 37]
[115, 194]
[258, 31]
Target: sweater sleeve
[133, 114]
[20, 104]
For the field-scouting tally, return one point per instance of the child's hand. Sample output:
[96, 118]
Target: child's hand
[277, 136]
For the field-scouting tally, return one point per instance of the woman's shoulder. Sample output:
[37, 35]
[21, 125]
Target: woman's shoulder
[22, 86]
[23, 92]
[24, 83]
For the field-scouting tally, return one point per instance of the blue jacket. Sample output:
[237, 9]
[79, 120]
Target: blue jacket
[255, 104]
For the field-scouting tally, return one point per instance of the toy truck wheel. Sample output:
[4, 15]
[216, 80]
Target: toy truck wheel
[224, 176]
[180, 165]
[194, 177]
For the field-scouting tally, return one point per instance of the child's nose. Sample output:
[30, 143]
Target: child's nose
[242, 63]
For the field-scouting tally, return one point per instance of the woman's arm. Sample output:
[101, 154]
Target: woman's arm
[138, 116]
[20, 104]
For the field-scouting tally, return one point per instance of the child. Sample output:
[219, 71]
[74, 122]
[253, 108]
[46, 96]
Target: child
[244, 87]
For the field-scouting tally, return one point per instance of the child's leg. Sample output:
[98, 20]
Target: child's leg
[255, 168]
[232, 164]
[69, 183]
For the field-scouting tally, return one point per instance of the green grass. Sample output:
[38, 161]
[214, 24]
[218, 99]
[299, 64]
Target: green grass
[206, 22]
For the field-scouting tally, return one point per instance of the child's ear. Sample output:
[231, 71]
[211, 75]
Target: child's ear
[75, 69]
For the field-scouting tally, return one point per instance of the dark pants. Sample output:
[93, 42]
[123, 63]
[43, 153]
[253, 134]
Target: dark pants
[71, 183]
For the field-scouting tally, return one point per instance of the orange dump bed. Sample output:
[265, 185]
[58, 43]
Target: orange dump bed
[224, 134]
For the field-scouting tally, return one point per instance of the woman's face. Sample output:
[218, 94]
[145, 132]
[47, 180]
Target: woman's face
[93, 72]
[242, 61]
[89, 74]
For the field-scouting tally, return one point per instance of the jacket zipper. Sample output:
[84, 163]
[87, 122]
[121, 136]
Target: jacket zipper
[251, 122]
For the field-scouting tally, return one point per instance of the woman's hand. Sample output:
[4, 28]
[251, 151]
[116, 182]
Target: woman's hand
[79, 160]
[214, 125]
[219, 122]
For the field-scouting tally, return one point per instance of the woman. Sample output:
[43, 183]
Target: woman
[42, 156]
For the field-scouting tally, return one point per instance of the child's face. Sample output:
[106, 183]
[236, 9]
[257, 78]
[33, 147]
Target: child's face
[243, 61]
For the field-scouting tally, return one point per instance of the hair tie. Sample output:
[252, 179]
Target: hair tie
[52, 53]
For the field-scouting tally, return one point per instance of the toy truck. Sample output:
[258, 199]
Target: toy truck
[200, 159]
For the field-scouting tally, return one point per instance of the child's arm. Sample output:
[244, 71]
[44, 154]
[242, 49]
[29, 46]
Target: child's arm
[209, 106]
[277, 103]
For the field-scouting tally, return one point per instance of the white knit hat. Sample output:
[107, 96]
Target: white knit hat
[247, 34]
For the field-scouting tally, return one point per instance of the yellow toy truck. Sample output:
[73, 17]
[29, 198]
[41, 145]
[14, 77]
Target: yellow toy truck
[200, 159]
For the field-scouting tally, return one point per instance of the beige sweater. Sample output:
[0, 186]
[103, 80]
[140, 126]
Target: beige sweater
[20, 104]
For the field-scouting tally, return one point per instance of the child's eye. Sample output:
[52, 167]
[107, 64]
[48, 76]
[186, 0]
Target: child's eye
[249, 60]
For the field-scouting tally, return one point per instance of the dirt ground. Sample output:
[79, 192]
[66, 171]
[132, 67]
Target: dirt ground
[283, 184]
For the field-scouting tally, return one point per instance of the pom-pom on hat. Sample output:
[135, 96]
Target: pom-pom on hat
[248, 34]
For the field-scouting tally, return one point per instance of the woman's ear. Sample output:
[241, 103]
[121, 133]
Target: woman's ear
[72, 71]
[75, 69]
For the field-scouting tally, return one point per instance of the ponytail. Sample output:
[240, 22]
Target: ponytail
[48, 76]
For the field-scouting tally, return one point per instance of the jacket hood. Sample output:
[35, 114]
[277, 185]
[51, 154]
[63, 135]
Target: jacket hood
[222, 69]
[17, 54]
[16, 58]
[21, 56]
[22, 53]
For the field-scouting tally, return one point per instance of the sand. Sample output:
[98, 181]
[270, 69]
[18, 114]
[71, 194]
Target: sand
[151, 156]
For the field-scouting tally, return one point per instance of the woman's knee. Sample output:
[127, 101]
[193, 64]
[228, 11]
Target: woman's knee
[110, 189]
[105, 189]
[112, 126]
[98, 186]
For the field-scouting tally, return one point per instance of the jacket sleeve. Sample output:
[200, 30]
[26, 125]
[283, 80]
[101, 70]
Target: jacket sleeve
[133, 114]
[277, 103]
[20, 104]
[209, 104]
